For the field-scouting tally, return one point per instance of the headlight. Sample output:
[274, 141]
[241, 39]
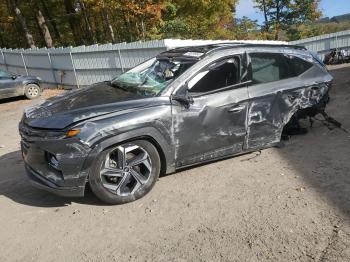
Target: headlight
[73, 132]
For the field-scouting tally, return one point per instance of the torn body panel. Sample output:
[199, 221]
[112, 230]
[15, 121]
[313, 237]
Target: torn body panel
[271, 110]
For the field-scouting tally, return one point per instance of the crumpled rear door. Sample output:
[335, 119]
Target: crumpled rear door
[273, 101]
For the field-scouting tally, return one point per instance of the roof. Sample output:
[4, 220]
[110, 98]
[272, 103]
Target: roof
[198, 52]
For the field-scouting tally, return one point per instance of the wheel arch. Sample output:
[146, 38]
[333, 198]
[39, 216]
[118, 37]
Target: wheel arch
[31, 82]
[150, 134]
[163, 160]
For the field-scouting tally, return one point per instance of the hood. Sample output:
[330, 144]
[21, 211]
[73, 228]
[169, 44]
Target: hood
[68, 108]
[25, 77]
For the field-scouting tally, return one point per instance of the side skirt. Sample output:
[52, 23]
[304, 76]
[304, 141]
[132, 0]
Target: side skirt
[215, 159]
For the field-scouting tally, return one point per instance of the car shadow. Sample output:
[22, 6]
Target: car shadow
[12, 99]
[322, 161]
[15, 185]
[321, 157]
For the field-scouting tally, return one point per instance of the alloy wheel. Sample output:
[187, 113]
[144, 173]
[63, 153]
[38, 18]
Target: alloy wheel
[125, 169]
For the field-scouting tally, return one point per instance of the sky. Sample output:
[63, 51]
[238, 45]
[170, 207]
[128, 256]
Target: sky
[329, 8]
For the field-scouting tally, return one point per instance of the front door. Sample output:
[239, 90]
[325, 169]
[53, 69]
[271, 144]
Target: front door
[214, 125]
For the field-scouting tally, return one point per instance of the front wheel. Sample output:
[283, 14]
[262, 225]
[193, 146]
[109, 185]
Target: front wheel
[126, 172]
[32, 91]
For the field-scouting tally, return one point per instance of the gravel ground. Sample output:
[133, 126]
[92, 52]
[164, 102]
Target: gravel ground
[286, 204]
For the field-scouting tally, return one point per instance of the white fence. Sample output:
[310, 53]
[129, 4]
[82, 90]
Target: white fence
[84, 65]
[78, 66]
[323, 43]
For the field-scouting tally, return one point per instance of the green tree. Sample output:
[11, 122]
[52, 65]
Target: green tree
[23, 23]
[76, 22]
[42, 24]
[246, 29]
[200, 19]
[282, 14]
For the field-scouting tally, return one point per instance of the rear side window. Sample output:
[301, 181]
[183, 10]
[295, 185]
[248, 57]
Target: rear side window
[268, 67]
[298, 65]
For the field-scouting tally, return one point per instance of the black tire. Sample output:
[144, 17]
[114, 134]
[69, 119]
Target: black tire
[97, 180]
[32, 91]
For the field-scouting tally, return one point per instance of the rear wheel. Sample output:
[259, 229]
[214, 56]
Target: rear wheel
[32, 91]
[125, 172]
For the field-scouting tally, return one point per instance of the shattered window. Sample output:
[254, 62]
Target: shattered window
[268, 67]
[152, 76]
[298, 65]
[221, 74]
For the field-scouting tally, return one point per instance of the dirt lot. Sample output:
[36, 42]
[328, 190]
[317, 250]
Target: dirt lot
[288, 204]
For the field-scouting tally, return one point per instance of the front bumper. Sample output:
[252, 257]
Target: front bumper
[42, 183]
[67, 174]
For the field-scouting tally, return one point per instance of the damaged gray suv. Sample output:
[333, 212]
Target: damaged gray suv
[184, 107]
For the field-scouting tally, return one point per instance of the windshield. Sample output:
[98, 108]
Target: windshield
[151, 77]
[5, 74]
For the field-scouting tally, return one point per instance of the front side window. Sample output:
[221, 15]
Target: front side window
[221, 74]
[152, 76]
[268, 67]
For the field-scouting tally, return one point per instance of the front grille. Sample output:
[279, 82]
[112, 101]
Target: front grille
[29, 134]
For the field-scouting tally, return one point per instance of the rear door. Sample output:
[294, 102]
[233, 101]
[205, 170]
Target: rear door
[276, 92]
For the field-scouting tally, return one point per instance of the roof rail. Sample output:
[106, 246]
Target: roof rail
[202, 50]
[242, 44]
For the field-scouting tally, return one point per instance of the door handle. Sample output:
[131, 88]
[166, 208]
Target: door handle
[236, 109]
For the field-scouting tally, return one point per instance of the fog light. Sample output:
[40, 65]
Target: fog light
[53, 162]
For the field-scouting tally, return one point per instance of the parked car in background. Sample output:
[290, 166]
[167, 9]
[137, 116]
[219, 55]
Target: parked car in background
[337, 56]
[12, 85]
[184, 107]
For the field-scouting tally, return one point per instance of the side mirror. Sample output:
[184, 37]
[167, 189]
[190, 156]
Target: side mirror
[13, 77]
[183, 97]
